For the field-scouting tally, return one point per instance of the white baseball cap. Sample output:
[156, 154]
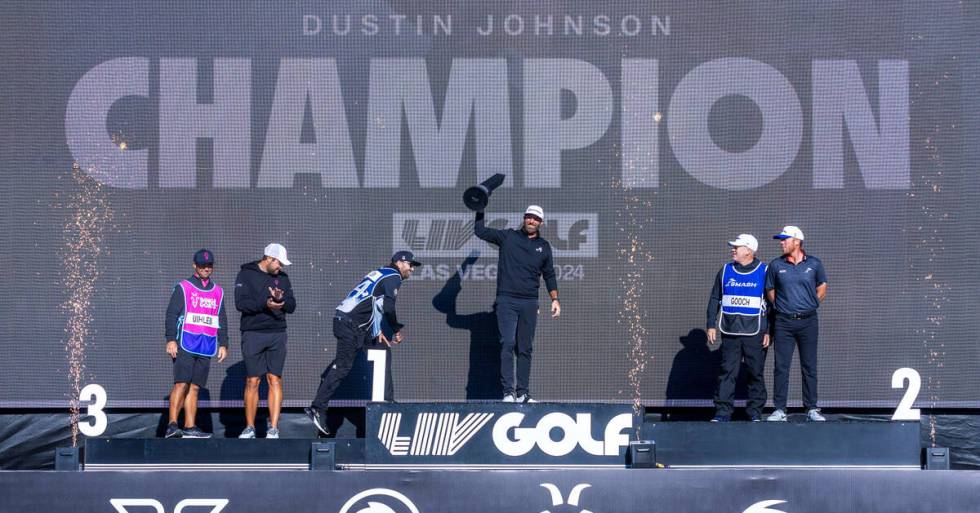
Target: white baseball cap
[789, 232]
[535, 210]
[277, 251]
[745, 239]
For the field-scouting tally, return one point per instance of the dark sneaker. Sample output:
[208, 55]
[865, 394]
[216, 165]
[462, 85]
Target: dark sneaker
[721, 418]
[195, 432]
[173, 431]
[756, 418]
[318, 418]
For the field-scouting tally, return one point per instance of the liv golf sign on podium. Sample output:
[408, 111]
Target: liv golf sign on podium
[486, 436]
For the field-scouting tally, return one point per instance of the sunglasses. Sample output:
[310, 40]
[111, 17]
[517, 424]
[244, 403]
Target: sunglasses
[532, 216]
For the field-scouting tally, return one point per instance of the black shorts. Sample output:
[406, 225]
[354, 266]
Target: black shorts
[191, 368]
[264, 353]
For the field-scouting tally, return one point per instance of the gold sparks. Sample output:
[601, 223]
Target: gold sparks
[927, 237]
[635, 257]
[88, 219]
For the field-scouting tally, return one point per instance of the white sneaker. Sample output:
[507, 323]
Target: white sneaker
[814, 416]
[525, 399]
[272, 433]
[777, 416]
[509, 398]
[248, 433]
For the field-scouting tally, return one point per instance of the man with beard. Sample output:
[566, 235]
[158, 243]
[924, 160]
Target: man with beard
[796, 284]
[264, 296]
[524, 257]
[366, 314]
[196, 331]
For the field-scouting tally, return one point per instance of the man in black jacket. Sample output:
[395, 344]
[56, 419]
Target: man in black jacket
[366, 314]
[737, 309]
[264, 296]
[524, 257]
[191, 368]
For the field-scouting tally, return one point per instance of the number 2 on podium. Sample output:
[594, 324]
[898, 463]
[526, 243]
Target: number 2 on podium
[904, 411]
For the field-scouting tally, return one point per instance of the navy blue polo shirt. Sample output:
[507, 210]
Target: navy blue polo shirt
[796, 285]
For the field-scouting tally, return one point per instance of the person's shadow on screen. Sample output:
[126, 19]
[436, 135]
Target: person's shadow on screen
[693, 374]
[483, 377]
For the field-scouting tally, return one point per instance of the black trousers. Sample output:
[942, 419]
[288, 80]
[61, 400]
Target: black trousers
[350, 340]
[516, 319]
[735, 348]
[789, 334]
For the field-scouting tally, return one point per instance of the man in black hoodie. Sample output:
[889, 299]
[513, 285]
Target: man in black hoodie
[264, 296]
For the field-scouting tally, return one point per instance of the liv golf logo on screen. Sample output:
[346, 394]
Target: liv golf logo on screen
[450, 234]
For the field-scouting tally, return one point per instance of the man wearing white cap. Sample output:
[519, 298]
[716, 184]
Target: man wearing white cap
[796, 284]
[738, 295]
[524, 258]
[264, 296]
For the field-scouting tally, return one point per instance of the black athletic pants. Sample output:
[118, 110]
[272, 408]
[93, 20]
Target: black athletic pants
[516, 319]
[350, 340]
[791, 333]
[735, 348]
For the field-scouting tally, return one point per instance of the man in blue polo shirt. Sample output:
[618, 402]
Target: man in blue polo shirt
[796, 284]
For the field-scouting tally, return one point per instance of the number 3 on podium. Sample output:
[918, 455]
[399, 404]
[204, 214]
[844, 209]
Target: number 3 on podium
[96, 398]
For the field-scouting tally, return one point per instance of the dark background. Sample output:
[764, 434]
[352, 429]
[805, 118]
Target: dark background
[902, 263]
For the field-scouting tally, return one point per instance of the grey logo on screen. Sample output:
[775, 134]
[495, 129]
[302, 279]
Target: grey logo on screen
[400, 89]
[450, 235]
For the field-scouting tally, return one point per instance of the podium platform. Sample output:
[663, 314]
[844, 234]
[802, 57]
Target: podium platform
[494, 436]
[864, 445]
[212, 454]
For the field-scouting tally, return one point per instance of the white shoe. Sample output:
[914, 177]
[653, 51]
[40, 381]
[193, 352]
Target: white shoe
[814, 416]
[777, 416]
[525, 399]
[509, 398]
[272, 433]
[248, 433]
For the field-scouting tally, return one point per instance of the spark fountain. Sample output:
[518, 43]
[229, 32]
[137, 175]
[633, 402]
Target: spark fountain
[84, 232]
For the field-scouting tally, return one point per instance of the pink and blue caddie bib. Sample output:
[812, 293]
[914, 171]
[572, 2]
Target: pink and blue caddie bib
[199, 325]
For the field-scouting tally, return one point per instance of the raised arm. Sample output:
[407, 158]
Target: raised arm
[488, 234]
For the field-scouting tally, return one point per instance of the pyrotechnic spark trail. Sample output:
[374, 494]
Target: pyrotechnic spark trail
[84, 231]
[927, 238]
[635, 258]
